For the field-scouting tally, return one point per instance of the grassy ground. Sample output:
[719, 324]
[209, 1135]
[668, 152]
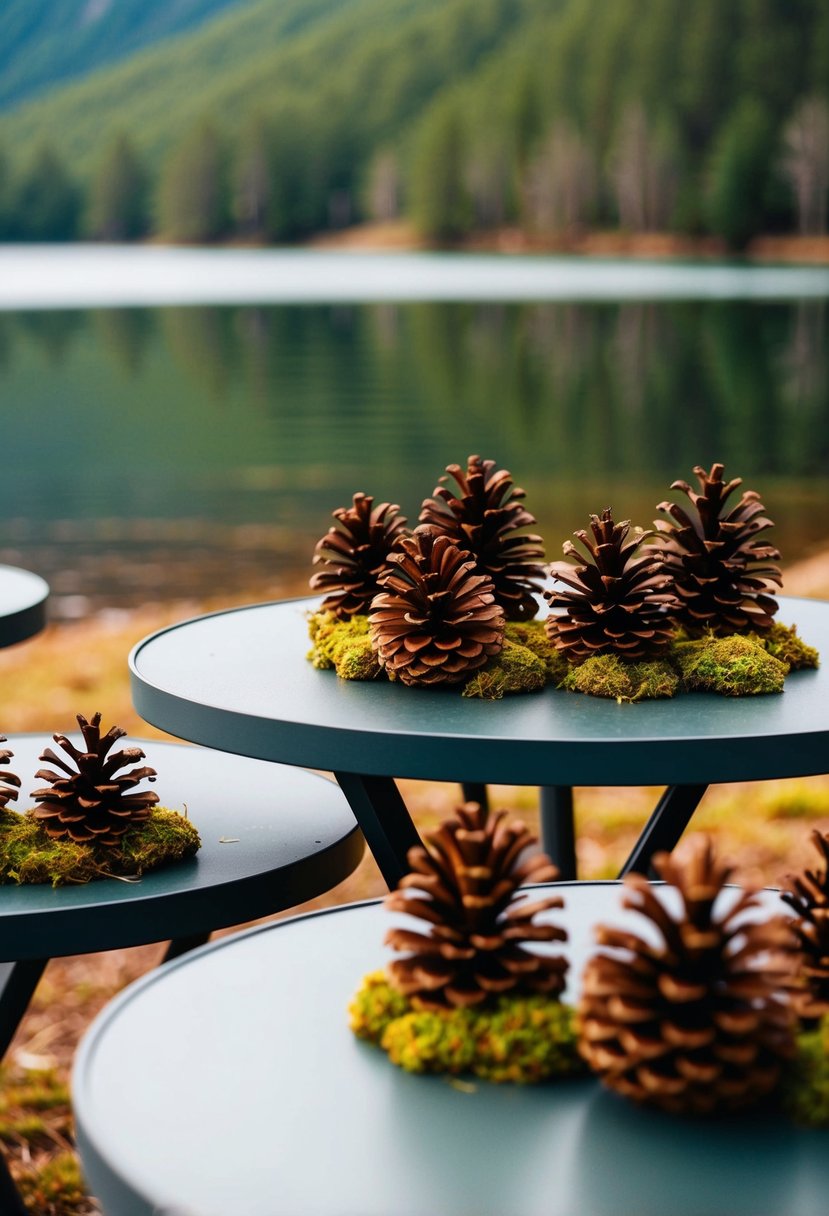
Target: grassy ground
[81, 668]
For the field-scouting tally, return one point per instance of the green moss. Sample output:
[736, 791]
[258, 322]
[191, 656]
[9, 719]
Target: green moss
[806, 1086]
[374, 1005]
[29, 855]
[533, 636]
[782, 642]
[523, 1039]
[608, 675]
[356, 660]
[734, 666]
[330, 636]
[514, 669]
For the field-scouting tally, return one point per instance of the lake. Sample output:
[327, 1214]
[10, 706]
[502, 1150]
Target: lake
[197, 448]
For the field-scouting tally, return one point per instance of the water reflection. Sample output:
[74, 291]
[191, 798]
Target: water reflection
[153, 453]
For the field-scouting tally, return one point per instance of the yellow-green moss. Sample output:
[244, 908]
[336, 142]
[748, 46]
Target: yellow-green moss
[29, 855]
[515, 669]
[533, 635]
[356, 660]
[783, 643]
[330, 636]
[374, 1005]
[806, 1086]
[607, 675]
[734, 666]
[523, 1039]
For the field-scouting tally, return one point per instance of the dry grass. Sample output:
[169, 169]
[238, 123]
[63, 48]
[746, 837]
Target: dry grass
[82, 667]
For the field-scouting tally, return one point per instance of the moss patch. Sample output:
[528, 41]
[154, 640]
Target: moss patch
[607, 675]
[533, 635]
[734, 666]
[515, 669]
[783, 643]
[523, 1039]
[806, 1087]
[29, 855]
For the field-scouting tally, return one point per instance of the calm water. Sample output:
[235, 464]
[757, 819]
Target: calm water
[153, 453]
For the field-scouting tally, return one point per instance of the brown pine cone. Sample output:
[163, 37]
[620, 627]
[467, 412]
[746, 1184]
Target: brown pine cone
[9, 783]
[464, 885]
[91, 805]
[808, 894]
[352, 555]
[484, 517]
[695, 1016]
[618, 600]
[724, 577]
[435, 620]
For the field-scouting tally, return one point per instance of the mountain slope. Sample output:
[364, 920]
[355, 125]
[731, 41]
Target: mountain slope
[47, 42]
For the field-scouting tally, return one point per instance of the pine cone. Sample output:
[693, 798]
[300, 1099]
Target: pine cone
[9, 783]
[696, 1017]
[435, 621]
[483, 519]
[619, 600]
[92, 805]
[353, 555]
[808, 895]
[724, 579]
[464, 884]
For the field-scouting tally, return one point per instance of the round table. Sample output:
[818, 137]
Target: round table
[22, 604]
[240, 681]
[268, 1105]
[272, 837]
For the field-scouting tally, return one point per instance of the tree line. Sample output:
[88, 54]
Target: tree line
[641, 115]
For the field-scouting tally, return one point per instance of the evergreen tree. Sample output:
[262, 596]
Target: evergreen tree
[439, 201]
[193, 195]
[119, 194]
[739, 174]
[47, 203]
[253, 179]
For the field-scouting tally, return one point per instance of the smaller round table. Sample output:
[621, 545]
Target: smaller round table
[230, 1082]
[272, 837]
[22, 604]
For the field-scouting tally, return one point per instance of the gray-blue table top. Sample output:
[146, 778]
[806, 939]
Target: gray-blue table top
[23, 598]
[272, 837]
[230, 1082]
[240, 680]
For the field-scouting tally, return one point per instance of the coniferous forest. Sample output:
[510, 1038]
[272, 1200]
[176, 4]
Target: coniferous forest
[271, 121]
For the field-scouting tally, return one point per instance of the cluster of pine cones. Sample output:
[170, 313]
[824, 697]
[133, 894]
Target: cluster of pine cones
[696, 1015]
[438, 597]
[87, 801]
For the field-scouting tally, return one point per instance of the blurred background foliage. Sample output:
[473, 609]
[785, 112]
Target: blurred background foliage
[269, 121]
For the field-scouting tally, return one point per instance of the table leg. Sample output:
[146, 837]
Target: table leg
[558, 834]
[472, 792]
[11, 1203]
[181, 945]
[385, 822]
[667, 823]
[17, 984]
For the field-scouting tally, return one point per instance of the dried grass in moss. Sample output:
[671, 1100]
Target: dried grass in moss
[783, 643]
[734, 666]
[514, 669]
[29, 855]
[607, 675]
[521, 1039]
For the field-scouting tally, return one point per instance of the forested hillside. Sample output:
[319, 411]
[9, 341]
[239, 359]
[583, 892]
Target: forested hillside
[45, 42]
[283, 117]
